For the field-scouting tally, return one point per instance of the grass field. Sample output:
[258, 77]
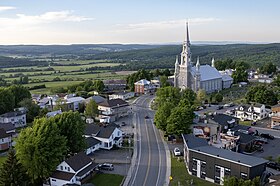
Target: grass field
[72, 68]
[181, 177]
[247, 123]
[107, 180]
[50, 85]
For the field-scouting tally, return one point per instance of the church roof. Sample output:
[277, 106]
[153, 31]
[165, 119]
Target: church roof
[207, 72]
[227, 77]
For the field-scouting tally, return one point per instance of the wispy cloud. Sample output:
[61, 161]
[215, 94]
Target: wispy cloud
[167, 24]
[4, 8]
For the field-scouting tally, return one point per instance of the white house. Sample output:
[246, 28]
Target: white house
[122, 95]
[109, 135]
[251, 112]
[73, 170]
[114, 109]
[92, 144]
[17, 118]
[5, 140]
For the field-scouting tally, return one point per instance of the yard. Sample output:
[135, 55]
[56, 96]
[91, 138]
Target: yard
[107, 179]
[181, 177]
[247, 123]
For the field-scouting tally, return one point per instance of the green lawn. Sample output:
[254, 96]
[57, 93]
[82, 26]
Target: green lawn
[247, 123]
[107, 179]
[2, 160]
[181, 177]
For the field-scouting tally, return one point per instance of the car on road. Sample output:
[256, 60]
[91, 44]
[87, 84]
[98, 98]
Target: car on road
[123, 124]
[177, 151]
[106, 166]
[220, 107]
[273, 165]
[146, 117]
[267, 136]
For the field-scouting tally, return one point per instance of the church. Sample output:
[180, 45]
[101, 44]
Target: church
[197, 77]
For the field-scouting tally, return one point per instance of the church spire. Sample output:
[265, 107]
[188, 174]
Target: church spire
[187, 37]
[213, 63]
[197, 64]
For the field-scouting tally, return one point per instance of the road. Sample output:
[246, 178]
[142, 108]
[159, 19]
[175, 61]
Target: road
[150, 167]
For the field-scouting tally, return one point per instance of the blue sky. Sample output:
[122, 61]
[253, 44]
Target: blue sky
[137, 21]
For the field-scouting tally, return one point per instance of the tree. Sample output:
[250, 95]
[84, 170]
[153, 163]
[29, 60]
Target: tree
[218, 97]
[168, 94]
[261, 94]
[91, 110]
[188, 97]
[166, 72]
[12, 172]
[277, 80]
[32, 109]
[7, 100]
[40, 149]
[162, 115]
[72, 127]
[268, 68]
[180, 120]
[163, 81]
[20, 93]
[240, 75]
[201, 95]
[99, 86]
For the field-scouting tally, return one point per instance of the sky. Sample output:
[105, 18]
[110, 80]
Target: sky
[137, 21]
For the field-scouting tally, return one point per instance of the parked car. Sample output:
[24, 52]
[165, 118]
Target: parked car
[123, 124]
[146, 117]
[220, 107]
[267, 136]
[177, 152]
[273, 165]
[262, 140]
[106, 166]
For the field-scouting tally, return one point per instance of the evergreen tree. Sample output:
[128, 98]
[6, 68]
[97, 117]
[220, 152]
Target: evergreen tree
[12, 172]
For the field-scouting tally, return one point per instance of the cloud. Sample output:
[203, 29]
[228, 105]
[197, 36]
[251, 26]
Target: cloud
[48, 17]
[166, 24]
[4, 8]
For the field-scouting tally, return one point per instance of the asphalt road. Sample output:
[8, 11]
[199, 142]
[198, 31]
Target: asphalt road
[151, 162]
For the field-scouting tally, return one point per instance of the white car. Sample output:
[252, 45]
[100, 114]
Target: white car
[177, 152]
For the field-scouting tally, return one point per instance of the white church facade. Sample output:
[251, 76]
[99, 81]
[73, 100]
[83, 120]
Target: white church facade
[197, 77]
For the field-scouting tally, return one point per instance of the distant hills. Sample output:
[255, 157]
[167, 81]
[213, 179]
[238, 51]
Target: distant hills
[143, 56]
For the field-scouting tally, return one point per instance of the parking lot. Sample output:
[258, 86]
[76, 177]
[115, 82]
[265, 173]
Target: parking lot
[270, 149]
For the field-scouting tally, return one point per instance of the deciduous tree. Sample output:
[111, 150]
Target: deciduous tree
[91, 109]
[40, 149]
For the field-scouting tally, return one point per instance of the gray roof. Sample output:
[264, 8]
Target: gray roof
[92, 129]
[114, 81]
[3, 133]
[226, 77]
[7, 126]
[13, 114]
[62, 175]
[222, 119]
[87, 169]
[78, 161]
[106, 132]
[193, 142]
[91, 141]
[244, 138]
[97, 99]
[228, 155]
[207, 72]
[113, 103]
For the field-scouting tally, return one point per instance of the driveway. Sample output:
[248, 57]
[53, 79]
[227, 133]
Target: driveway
[112, 156]
[120, 169]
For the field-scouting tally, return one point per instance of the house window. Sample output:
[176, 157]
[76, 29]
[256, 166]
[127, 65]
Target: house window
[68, 169]
[61, 167]
[53, 179]
[243, 175]
[227, 172]
[217, 179]
[105, 144]
[110, 144]
[203, 175]
[217, 170]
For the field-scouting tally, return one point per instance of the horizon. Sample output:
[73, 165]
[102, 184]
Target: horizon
[139, 22]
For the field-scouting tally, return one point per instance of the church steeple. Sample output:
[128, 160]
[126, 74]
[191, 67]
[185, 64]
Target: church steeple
[213, 63]
[197, 65]
[186, 51]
